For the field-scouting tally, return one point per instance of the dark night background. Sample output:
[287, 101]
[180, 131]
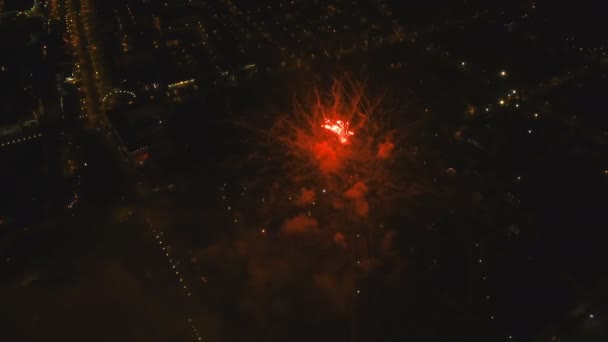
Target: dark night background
[145, 194]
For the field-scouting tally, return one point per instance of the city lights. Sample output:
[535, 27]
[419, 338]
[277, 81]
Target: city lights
[19, 140]
[186, 290]
[117, 92]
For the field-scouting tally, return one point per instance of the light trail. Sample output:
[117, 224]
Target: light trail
[175, 265]
[16, 141]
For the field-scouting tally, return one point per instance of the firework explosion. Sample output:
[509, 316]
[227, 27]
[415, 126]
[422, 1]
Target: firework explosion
[340, 128]
[310, 220]
[340, 143]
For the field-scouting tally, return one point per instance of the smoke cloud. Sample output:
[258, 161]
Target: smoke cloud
[326, 156]
[385, 150]
[300, 224]
[357, 194]
[307, 197]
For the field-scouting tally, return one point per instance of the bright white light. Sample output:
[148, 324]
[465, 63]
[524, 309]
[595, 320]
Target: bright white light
[340, 128]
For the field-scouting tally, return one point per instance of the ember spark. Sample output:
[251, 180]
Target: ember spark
[340, 128]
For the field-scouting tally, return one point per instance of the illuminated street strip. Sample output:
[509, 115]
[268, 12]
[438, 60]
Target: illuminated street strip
[158, 235]
[181, 84]
[116, 92]
[16, 141]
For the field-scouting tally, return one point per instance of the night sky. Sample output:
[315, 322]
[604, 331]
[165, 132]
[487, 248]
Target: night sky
[303, 170]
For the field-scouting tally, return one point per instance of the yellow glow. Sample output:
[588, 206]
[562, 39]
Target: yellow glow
[181, 84]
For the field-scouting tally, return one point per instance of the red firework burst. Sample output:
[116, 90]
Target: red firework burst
[340, 128]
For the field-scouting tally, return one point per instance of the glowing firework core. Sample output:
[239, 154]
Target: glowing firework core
[340, 128]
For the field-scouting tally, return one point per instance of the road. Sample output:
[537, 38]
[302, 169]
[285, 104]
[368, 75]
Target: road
[97, 272]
